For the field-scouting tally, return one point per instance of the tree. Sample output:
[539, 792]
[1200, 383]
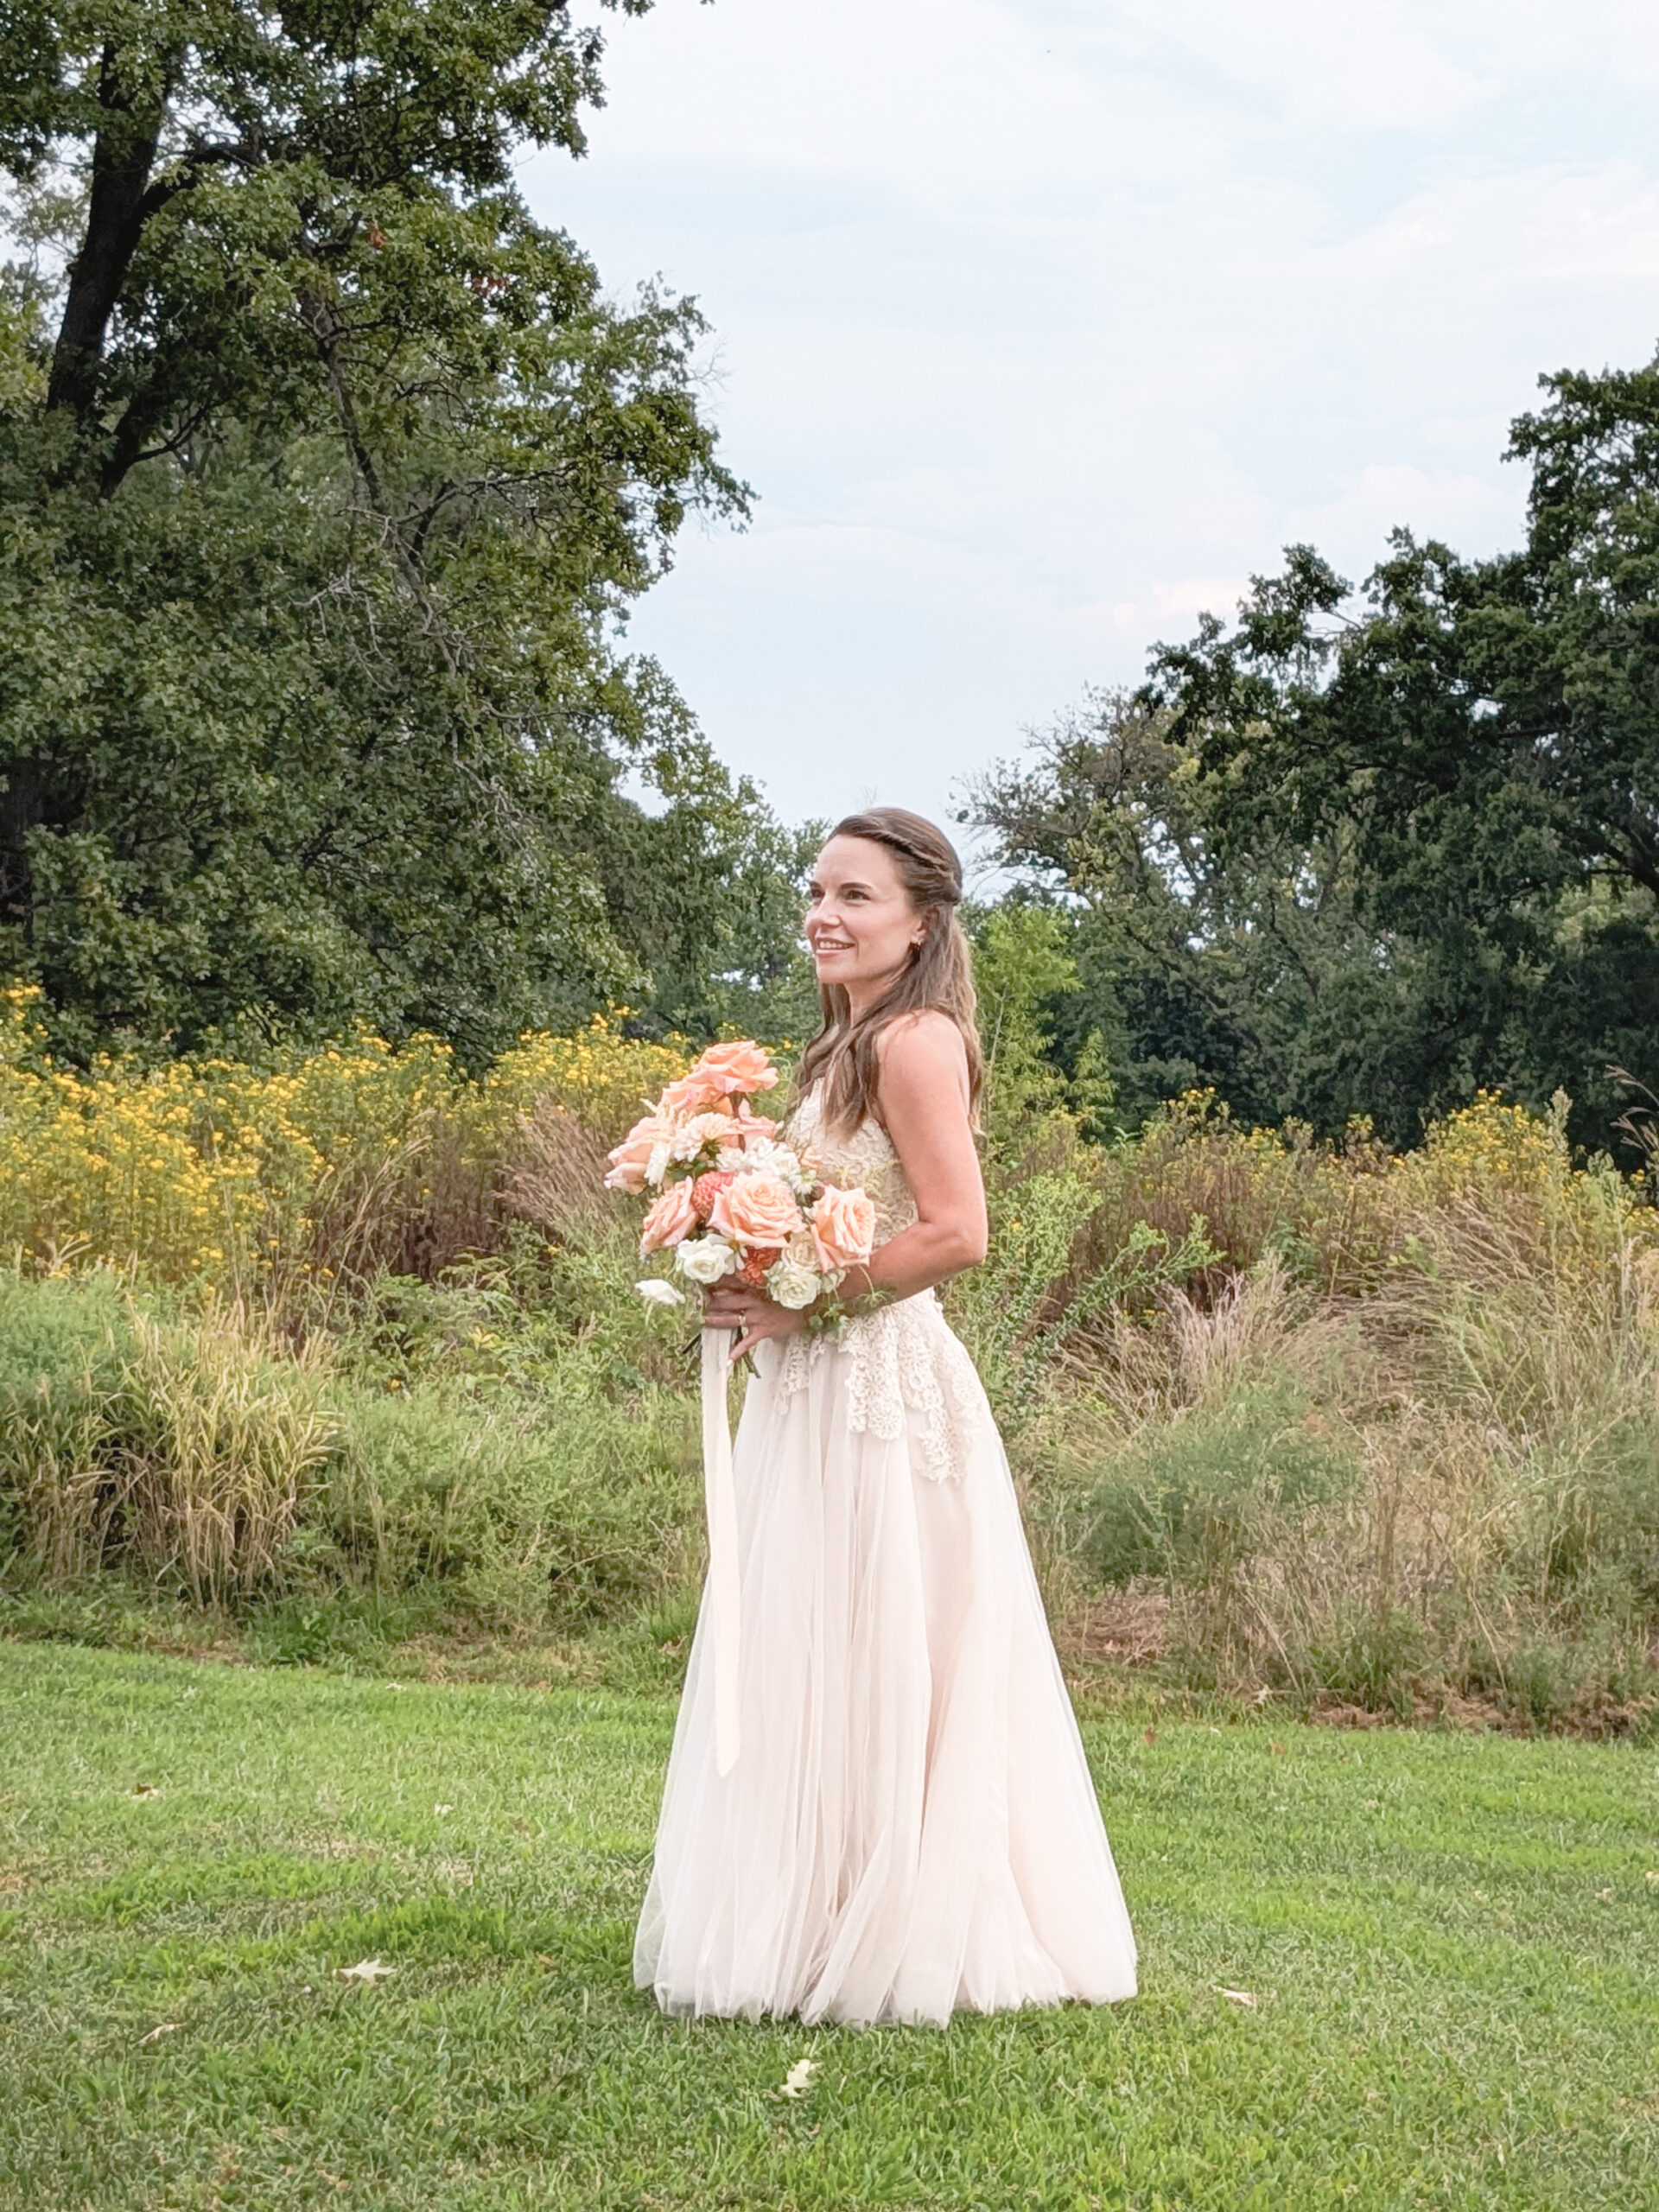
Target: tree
[327, 477]
[1199, 961]
[1367, 852]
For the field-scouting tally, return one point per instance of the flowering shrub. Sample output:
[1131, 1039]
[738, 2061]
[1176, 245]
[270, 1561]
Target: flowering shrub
[599, 1074]
[1492, 1144]
[1383, 1429]
[213, 1168]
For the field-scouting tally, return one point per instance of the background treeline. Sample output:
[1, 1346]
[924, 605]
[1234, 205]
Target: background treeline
[1363, 854]
[327, 477]
[336, 819]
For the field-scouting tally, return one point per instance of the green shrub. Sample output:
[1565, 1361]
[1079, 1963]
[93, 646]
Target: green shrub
[1193, 1498]
[1383, 1431]
[451, 1443]
[183, 1447]
[1377, 1658]
[557, 1510]
[217, 1442]
[64, 1343]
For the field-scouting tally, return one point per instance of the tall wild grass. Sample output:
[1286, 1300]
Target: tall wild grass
[351, 1336]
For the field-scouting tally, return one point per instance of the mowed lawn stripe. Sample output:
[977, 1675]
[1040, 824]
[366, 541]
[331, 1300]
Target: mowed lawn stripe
[1452, 1943]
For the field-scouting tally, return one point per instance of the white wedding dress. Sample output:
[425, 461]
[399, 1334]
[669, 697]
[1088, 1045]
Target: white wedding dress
[910, 1828]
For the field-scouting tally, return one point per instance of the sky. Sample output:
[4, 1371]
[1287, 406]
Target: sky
[1040, 326]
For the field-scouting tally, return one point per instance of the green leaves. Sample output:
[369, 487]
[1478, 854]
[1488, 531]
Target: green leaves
[1461, 767]
[327, 475]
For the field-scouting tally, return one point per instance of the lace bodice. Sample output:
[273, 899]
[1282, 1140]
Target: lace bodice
[863, 1156]
[903, 1365]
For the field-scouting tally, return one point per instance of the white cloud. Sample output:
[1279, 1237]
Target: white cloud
[1459, 507]
[1365, 65]
[1044, 323]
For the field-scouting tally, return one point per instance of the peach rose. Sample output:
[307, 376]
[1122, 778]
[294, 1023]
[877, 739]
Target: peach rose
[628, 1161]
[668, 1217]
[691, 1094]
[843, 1227]
[753, 1129]
[742, 1067]
[755, 1210]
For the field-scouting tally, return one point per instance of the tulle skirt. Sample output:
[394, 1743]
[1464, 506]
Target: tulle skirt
[911, 1828]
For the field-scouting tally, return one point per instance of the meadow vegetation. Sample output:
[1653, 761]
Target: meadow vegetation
[335, 1357]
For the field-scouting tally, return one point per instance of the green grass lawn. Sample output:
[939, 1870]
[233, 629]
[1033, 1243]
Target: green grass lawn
[1450, 1942]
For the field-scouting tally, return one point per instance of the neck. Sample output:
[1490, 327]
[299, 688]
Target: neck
[862, 996]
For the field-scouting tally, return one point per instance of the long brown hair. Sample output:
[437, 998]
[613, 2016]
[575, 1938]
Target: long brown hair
[939, 975]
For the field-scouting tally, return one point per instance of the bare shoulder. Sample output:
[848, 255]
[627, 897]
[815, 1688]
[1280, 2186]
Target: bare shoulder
[922, 1055]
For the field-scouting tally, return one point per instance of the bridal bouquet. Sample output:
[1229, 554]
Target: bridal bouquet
[731, 1199]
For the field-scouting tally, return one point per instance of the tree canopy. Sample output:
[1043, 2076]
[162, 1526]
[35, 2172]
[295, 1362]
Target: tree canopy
[327, 475]
[1361, 853]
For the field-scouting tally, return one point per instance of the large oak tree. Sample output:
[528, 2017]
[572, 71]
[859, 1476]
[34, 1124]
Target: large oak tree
[327, 475]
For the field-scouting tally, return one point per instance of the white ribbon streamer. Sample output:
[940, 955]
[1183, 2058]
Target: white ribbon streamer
[720, 1502]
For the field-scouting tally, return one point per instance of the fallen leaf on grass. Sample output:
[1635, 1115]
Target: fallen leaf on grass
[1148, 1735]
[1279, 1751]
[1651, 1878]
[798, 2080]
[1236, 1996]
[167, 2028]
[1604, 1895]
[438, 1811]
[366, 1970]
[145, 1789]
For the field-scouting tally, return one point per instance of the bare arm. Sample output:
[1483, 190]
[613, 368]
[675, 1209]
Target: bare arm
[923, 1096]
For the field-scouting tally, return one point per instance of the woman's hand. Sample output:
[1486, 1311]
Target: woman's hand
[751, 1312]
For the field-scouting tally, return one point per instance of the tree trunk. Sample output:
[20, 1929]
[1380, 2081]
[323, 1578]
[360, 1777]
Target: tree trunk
[123, 155]
[23, 806]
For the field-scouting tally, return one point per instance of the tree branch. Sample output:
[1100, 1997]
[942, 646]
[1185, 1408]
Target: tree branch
[324, 326]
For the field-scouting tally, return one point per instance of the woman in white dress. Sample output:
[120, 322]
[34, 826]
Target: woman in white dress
[910, 1828]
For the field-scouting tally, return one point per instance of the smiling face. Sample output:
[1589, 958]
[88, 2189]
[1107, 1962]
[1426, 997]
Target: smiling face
[860, 924]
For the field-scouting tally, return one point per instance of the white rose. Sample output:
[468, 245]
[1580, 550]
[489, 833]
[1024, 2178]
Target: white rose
[792, 1285]
[655, 1292]
[705, 1259]
[731, 1158]
[801, 1249]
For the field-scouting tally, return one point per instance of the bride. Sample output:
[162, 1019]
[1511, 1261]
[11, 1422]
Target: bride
[910, 1828]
